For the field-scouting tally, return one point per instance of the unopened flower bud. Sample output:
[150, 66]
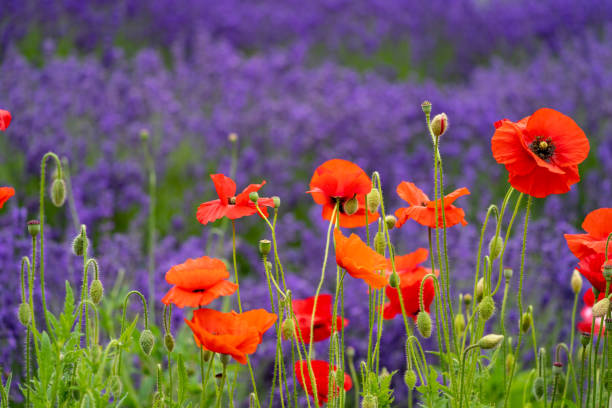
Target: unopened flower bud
[232, 137]
[467, 299]
[34, 228]
[495, 247]
[509, 363]
[369, 401]
[424, 324]
[426, 106]
[459, 323]
[79, 245]
[479, 289]
[557, 368]
[490, 341]
[115, 386]
[576, 282]
[206, 355]
[410, 379]
[254, 196]
[350, 206]
[526, 322]
[252, 400]
[390, 220]
[58, 192]
[144, 134]
[373, 200]
[224, 358]
[169, 342]
[607, 270]
[394, 280]
[96, 291]
[147, 341]
[277, 201]
[508, 273]
[601, 308]
[24, 314]
[380, 243]
[538, 388]
[439, 124]
[264, 247]
[288, 329]
[486, 307]
[350, 352]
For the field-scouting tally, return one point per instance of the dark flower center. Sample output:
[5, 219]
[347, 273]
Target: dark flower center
[340, 201]
[231, 200]
[544, 148]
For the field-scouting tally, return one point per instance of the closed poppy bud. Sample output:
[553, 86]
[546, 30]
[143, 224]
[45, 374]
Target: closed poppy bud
[115, 386]
[350, 206]
[373, 200]
[350, 351]
[607, 270]
[147, 341]
[277, 201]
[58, 192]
[34, 228]
[207, 355]
[576, 282]
[288, 329]
[538, 388]
[439, 124]
[526, 321]
[459, 323]
[490, 341]
[426, 106]
[479, 289]
[24, 314]
[254, 196]
[424, 324]
[380, 243]
[495, 247]
[394, 280]
[467, 299]
[508, 273]
[144, 135]
[79, 245]
[232, 137]
[601, 308]
[390, 220]
[410, 379]
[264, 247]
[369, 401]
[96, 291]
[486, 307]
[509, 363]
[169, 342]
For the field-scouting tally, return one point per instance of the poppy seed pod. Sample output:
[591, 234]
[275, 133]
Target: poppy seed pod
[576, 282]
[144, 134]
[288, 329]
[277, 201]
[424, 324]
[369, 401]
[350, 206]
[169, 342]
[58, 192]
[601, 308]
[390, 220]
[264, 247]
[380, 243]
[607, 270]
[490, 341]
[253, 196]
[394, 280]
[459, 323]
[147, 341]
[486, 307]
[557, 368]
[538, 388]
[33, 228]
[439, 124]
[96, 291]
[24, 314]
[496, 244]
[426, 106]
[585, 339]
[479, 290]
[508, 273]
[526, 322]
[410, 379]
[373, 200]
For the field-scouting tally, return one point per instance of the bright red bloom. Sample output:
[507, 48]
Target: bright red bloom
[5, 194]
[586, 314]
[598, 225]
[229, 204]
[323, 321]
[359, 260]
[234, 334]
[411, 274]
[423, 210]
[335, 182]
[197, 282]
[321, 376]
[541, 152]
[5, 119]
[591, 267]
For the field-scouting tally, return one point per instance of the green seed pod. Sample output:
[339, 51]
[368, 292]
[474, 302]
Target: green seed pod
[459, 323]
[426, 106]
[380, 243]
[253, 196]
[277, 201]
[424, 324]
[495, 247]
[265, 246]
[390, 220]
[607, 270]
[508, 273]
[394, 280]
[169, 342]
[58, 192]
[439, 124]
[486, 307]
[96, 291]
[538, 388]
[526, 322]
[147, 341]
[115, 386]
[33, 228]
[490, 341]
[79, 245]
[557, 368]
[410, 379]
[373, 200]
[24, 314]
[369, 401]
[350, 352]
[585, 339]
[144, 134]
[288, 329]
[350, 206]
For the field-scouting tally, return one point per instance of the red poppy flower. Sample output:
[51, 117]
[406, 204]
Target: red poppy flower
[321, 375]
[598, 225]
[411, 274]
[229, 204]
[335, 182]
[586, 314]
[541, 152]
[423, 210]
[197, 282]
[5, 119]
[5, 194]
[591, 267]
[323, 324]
[359, 260]
[234, 334]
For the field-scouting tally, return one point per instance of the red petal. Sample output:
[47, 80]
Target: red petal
[5, 119]
[225, 186]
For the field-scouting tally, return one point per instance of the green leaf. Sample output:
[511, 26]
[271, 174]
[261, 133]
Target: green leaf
[126, 336]
[182, 374]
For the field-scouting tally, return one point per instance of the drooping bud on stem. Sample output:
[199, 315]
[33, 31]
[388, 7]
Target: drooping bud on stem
[350, 206]
[373, 200]
[390, 220]
[288, 329]
[169, 342]
[495, 247]
[24, 314]
[526, 322]
[147, 341]
[394, 280]
[58, 192]
[424, 324]
[380, 243]
[410, 378]
[490, 341]
[96, 291]
[479, 290]
[538, 388]
[459, 323]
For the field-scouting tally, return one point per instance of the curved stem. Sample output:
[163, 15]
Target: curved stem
[146, 318]
[470, 347]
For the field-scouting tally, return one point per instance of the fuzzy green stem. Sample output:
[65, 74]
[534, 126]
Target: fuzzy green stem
[151, 224]
[146, 318]
[470, 347]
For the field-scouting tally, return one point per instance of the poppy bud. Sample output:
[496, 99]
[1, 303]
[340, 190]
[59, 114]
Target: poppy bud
[410, 379]
[24, 314]
[424, 324]
[115, 386]
[232, 137]
[96, 291]
[264, 247]
[33, 228]
[369, 401]
[538, 388]
[490, 341]
[495, 247]
[206, 355]
[288, 329]
[585, 339]
[277, 202]
[394, 280]
[508, 273]
[459, 323]
[601, 308]
[380, 243]
[58, 192]
[526, 322]
[486, 307]
[479, 289]
[79, 245]
[253, 196]
[147, 341]
[350, 351]
[373, 200]
[509, 363]
[576, 282]
[169, 342]
[224, 358]
[439, 124]
[607, 270]
[350, 206]
[390, 220]
[467, 299]
[426, 106]
[144, 135]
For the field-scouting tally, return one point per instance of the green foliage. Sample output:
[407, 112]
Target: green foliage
[379, 386]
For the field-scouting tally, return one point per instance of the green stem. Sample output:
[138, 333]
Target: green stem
[151, 225]
[220, 395]
[235, 265]
[146, 318]
[470, 347]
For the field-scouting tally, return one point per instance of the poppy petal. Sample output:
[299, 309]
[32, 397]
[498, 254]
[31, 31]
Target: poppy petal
[411, 193]
[211, 211]
[5, 119]
[225, 186]
[200, 273]
[5, 194]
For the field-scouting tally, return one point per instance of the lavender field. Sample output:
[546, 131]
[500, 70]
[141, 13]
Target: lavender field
[143, 101]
